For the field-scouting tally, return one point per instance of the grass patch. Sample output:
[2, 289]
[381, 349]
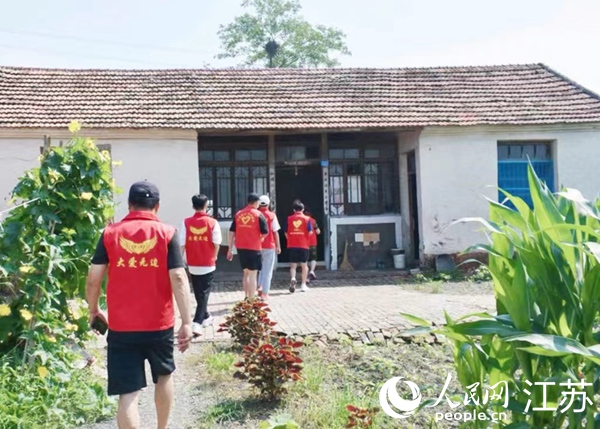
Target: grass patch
[333, 377]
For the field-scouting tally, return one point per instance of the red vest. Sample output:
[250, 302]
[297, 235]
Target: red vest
[312, 238]
[297, 231]
[139, 293]
[247, 229]
[199, 247]
[269, 241]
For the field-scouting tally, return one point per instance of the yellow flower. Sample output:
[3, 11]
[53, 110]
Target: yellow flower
[71, 327]
[54, 175]
[51, 339]
[26, 269]
[26, 314]
[74, 126]
[105, 154]
[86, 196]
[117, 163]
[42, 371]
[4, 310]
[40, 158]
[89, 143]
[11, 201]
[69, 231]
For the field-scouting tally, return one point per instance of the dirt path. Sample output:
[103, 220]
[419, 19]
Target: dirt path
[189, 401]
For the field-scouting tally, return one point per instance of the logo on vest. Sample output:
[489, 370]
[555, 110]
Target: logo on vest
[137, 249]
[246, 218]
[196, 233]
[297, 223]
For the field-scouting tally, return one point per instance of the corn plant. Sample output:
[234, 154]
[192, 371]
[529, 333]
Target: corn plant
[545, 266]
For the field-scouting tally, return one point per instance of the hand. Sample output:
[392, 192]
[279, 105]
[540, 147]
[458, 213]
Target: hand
[184, 337]
[279, 250]
[97, 313]
[229, 255]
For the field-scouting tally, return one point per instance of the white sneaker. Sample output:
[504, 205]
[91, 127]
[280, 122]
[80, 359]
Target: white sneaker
[304, 288]
[196, 329]
[207, 322]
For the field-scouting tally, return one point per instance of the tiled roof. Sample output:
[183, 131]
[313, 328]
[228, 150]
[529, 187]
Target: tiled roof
[235, 99]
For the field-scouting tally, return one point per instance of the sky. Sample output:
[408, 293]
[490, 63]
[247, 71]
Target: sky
[134, 34]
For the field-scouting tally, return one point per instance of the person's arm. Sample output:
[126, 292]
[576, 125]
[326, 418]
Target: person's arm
[317, 229]
[93, 284]
[263, 226]
[276, 228]
[181, 290]
[231, 241]
[309, 228]
[182, 238]
[217, 239]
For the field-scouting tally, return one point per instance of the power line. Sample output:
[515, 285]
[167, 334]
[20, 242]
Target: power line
[106, 42]
[77, 54]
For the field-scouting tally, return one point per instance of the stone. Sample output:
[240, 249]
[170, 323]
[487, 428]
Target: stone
[371, 336]
[379, 338]
[386, 334]
[353, 334]
[332, 336]
[365, 339]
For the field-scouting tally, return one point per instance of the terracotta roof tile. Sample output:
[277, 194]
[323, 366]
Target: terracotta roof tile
[235, 99]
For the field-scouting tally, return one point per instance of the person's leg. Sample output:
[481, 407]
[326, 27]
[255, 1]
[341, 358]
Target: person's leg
[268, 265]
[197, 287]
[251, 283]
[163, 399]
[304, 268]
[128, 416]
[293, 266]
[207, 280]
[245, 282]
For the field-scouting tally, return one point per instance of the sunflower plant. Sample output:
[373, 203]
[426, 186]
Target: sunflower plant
[46, 243]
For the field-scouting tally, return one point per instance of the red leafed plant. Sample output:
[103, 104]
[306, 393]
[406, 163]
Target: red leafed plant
[361, 418]
[249, 319]
[269, 363]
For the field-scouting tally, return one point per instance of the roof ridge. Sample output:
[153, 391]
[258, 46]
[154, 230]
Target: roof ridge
[571, 81]
[512, 66]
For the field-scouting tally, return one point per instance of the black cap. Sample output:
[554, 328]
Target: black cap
[252, 198]
[143, 190]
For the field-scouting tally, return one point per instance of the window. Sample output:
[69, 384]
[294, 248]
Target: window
[227, 176]
[513, 159]
[363, 181]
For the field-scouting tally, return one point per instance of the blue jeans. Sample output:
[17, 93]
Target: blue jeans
[269, 257]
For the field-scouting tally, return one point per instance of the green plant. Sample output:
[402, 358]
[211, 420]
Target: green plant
[46, 243]
[359, 417]
[225, 412]
[220, 362]
[280, 421]
[269, 364]
[545, 265]
[249, 320]
[480, 275]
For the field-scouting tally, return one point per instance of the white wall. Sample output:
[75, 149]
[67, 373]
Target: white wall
[171, 162]
[16, 156]
[458, 168]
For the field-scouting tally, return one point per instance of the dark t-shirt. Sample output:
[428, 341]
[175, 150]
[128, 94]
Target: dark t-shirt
[174, 258]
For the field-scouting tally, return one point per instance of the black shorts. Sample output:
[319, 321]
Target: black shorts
[127, 353]
[298, 256]
[250, 259]
[312, 253]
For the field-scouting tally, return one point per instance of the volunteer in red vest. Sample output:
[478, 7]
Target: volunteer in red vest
[270, 248]
[145, 269]
[312, 246]
[298, 234]
[247, 231]
[200, 238]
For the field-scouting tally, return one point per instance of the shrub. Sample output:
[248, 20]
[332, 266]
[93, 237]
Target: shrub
[360, 417]
[249, 320]
[545, 265]
[280, 421]
[269, 363]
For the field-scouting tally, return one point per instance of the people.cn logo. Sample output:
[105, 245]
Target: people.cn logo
[388, 395]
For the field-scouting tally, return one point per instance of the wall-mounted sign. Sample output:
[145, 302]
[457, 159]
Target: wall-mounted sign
[324, 163]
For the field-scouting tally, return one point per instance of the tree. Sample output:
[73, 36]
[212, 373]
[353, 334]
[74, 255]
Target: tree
[278, 36]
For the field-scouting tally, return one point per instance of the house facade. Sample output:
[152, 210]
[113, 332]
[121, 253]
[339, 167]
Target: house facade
[382, 158]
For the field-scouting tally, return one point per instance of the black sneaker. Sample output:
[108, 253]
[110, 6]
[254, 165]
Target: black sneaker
[293, 286]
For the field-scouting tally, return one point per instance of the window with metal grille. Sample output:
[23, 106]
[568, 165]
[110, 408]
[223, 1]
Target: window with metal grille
[362, 178]
[229, 174]
[513, 159]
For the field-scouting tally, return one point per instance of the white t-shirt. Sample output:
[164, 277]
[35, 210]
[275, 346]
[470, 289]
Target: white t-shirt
[275, 224]
[217, 238]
